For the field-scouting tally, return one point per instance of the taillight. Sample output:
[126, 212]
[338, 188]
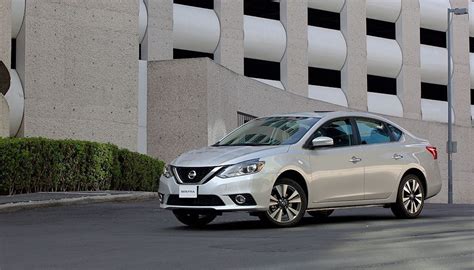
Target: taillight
[433, 151]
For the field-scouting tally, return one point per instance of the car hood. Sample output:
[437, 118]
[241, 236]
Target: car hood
[225, 155]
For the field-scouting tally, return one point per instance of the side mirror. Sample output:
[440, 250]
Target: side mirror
[322, 141]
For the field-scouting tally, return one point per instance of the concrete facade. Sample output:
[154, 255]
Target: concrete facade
[81, 71]
[210, 111]
[461, 78]
[230, 50]
[408, 37]
[294, 65]
[4, 122]
[158, 41]
[354, 72]
[5, 56]
[5, 32]
[78, 62]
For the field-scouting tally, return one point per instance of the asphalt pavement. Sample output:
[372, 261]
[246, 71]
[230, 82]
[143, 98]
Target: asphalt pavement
[139, 235]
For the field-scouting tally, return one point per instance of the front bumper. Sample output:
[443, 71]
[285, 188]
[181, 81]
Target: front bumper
[258, 185]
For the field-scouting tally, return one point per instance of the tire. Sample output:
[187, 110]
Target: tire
[288, 204]
[321, 214]
[194, 219]
[410, 198]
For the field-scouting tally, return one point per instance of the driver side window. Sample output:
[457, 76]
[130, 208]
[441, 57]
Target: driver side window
[339, 130]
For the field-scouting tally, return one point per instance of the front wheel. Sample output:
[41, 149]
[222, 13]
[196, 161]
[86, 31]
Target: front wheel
[410, 198]
[194, 218]
[287, 204]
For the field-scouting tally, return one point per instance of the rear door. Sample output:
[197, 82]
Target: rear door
[337, 171]
[383, 156]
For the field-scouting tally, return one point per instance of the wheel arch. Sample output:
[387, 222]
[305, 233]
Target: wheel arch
[296, 176]
[420, 174]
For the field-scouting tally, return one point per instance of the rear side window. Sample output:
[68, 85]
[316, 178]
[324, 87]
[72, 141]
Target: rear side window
[339, 130]
[395, 132]
[372, 131]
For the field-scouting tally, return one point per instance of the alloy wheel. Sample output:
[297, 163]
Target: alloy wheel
[412, 196]
[285, 203]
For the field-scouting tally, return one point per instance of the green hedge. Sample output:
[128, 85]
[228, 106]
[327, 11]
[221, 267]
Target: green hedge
[38, 164]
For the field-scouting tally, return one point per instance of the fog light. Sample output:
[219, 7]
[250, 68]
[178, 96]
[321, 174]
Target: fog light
[240, 199]
[160, 197]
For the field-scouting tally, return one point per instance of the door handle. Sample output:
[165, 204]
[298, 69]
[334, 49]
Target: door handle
[397, 156]
[355, 159]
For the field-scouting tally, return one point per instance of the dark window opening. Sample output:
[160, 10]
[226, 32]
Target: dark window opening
[262, 8]
[196, 3]
[261, 69]
[140, 51]
[324, 19]
[433, 37]
[382, 85]
[324, 77]
[243, 118]
[180, 54]
[434, 91]
[471, 44]
[13, 55]
[472, 96]
[381, 29]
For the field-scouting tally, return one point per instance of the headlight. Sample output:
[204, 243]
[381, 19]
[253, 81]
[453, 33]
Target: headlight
[167, 171]
[244, 168]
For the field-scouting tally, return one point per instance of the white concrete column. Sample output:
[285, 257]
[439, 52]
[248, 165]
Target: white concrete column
[5, 32]
[158, 41]
[409, 80]
[230, 50]
[294, 64]
[354, 72]
[460, 55]
[5, 56]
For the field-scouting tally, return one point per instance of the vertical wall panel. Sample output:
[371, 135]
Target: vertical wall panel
[331, 5]
[195, 29]
[384, 57]
[18, 14]
[385, 10]
[264, 39]
[326, 48]
[16, 102]
[433, 14]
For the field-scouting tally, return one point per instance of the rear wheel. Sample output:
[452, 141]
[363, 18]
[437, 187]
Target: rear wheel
[287, 204]
[410, 198]
[194, 218]
[321, 214]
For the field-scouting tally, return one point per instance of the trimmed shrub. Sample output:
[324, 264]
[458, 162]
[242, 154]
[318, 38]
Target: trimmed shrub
[38, 164]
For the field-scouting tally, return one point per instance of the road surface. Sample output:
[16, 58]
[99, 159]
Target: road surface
[138, 235]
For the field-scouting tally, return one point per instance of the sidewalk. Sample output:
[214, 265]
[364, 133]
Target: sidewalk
[47, 199]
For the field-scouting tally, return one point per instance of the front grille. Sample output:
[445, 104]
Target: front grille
[201, 200]
[186, 174]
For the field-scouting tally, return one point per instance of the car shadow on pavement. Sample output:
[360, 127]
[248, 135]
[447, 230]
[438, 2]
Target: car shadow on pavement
[305, 222]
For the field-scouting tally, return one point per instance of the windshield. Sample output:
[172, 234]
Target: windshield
[270, 131]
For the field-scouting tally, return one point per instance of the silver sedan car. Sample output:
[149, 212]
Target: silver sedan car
[282, 166]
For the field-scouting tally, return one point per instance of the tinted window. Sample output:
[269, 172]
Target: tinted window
[339, 130]
[372, 131]
[395, 132]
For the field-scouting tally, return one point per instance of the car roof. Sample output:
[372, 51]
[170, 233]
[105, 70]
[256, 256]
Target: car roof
[330, 114]
[337, 114]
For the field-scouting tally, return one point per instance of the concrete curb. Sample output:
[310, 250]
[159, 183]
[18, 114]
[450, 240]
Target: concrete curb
[11, 207]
